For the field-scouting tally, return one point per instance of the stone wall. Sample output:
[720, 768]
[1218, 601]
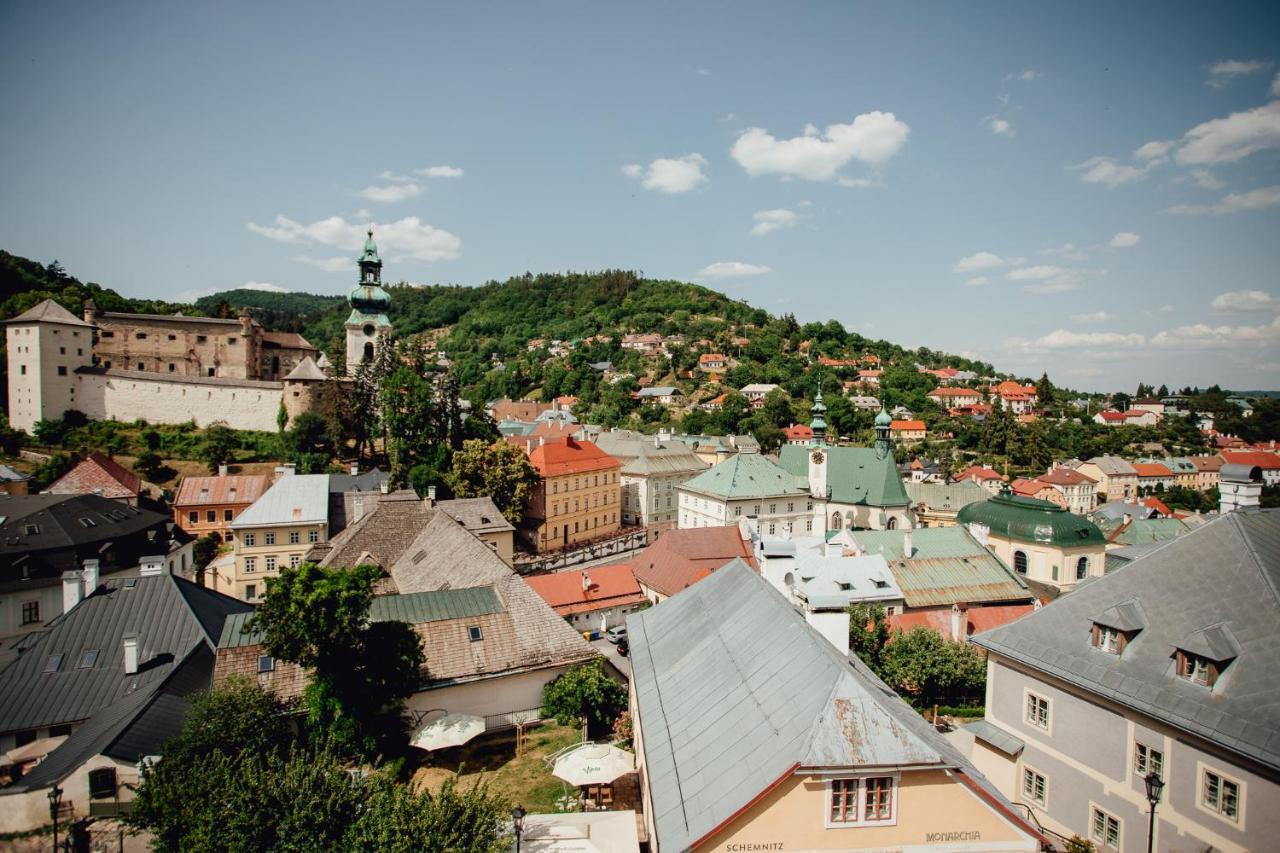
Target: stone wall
[186, 346]
[129, 395]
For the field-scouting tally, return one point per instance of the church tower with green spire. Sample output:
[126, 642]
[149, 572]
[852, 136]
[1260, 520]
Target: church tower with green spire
[367, 326]
[819, 422]
[884, 437]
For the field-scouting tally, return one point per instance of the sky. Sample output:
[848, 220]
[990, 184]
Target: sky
[1087, 189]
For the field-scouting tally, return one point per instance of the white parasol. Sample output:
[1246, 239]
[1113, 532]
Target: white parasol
[593, 764]
[449, 730]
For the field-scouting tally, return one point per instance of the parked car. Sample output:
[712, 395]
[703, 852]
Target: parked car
[616, 633]
[624, 648]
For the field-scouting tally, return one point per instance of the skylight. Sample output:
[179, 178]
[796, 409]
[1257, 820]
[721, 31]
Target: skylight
[88, 659]
[53, 663]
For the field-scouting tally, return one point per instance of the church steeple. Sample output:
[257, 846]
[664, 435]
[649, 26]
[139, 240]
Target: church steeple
[884, 427]
[370, 263]
[367, 325]
[819, 423]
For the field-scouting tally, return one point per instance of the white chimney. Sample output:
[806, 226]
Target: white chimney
[657, 440]
[151, 566]
[70, 590]
[355, 468]
[1128, 519]
[431, 495]
[586, 580]
[907, 552]
[980, 532]
[222, 469]
[130, 654]
[384, 486]
[357, 508]
[90, 577]
[958, 627]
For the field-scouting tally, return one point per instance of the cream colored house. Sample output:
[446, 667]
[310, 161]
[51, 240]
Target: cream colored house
[275, 533]
[653, 468]
[1115, 477]
[1039, 540]
[746, 485]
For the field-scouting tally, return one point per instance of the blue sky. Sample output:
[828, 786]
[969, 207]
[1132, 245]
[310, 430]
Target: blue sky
[1089, 189]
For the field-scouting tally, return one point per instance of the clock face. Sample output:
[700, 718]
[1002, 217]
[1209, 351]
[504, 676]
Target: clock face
[817, 457]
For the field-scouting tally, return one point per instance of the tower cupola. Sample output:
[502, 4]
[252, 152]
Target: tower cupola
[819, 422]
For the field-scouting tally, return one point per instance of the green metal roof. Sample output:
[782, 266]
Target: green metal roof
[1141, 531]
[949, 497]
[414, 608]
[370, 252]
[747, 475]
[1029, 520]
[884, 418]
[855, 475]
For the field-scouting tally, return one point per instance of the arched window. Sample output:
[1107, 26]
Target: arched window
[368, 351]
[837, 523]
[891, 524]
[1020, 562]
[275, 365]
[1082, 568]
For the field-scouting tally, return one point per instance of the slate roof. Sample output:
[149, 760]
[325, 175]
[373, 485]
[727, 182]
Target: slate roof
[286, 340]
[744, 476]
[293, 499]
[365, 481]
[836, 581]
[1116, 510]
[48, 311]
[1142, 531]
[855, 475]
[98, 473]
[948, 566]
[1225, 573]
[1113, 466]
[734, 690]
[948, 497]
[10, 475]
[171, 616]
[680, 558]
[306, 370]
[479, 515]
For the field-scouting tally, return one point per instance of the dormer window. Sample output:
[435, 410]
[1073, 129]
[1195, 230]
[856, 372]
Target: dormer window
[1196, 669]
[1203, 657]
[1109, 639]
[1117, 626]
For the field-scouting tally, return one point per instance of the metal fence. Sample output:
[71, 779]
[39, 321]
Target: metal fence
[511, 719]
[596, 550]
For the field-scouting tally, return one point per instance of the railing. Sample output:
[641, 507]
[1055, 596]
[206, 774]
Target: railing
[596, 550]
[511, 719]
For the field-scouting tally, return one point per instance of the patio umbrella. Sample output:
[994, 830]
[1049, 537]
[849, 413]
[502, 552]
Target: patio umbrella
[449, 730]
[593, 764]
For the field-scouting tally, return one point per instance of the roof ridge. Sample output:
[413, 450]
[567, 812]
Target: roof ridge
[1267, 580]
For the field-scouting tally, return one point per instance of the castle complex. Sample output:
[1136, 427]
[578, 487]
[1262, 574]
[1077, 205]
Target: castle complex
[175, 369]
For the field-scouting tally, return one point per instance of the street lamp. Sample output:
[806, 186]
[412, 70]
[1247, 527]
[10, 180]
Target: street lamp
[55, 800]
[517, 820]
[1155, 786]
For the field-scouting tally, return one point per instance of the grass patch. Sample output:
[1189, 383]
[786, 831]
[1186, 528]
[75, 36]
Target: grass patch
[524, 780]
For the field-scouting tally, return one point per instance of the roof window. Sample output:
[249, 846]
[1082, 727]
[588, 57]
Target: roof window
[474, 633]
[1204, 656]
[88, 522]
[88, 659]
[31, 529]
[53, 664]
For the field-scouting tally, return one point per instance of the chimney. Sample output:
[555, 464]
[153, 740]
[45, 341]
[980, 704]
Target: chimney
[222, 470]
[384, 486]
[70, 590]
[90, 576]
[355, 469]
[657, 440]
[357, 508]
[431, 495]
[1128, 519]
[151, 566]
[540, 438]
[958, 627]
[586, 581]
[130, 654]
[907, 551]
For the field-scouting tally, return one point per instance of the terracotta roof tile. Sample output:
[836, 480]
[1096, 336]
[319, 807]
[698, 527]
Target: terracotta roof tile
[610, 586]
[98, 474]
[681, 558]
[570, 456]
[231, 489]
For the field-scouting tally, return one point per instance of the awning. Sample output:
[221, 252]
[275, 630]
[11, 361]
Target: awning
[996, 738]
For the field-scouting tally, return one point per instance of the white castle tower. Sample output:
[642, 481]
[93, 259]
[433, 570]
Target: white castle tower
[46, 345]
[368, 326]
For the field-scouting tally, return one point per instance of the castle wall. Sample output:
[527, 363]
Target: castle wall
[129, 395]
[184, 346]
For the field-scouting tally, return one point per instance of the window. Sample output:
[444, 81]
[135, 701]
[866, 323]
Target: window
[293, 561]
[53, 663]
[249, 539]
[108, 334]
[268, 538]
[141, 366]
[1033, 786]
[861, 802]
[30, 612]
[22, 370]
[250, 564]
[193, 517]
[88, 659]
[211, 516]
[227, 515]
[251, 591]
[102, 783]
[1220, 795]
[270, 564]
[1104, 829]
[172, 367]
[231, 339]
[1020, 562]
[1037, 711]
[142, 336]
[173, 337]
[266, 663]
[1082, 568]
[62, 370]
[474, 633]
[313, 535]
[201, 339]
[294, 537]
[1108, 639]
[1195, 668]
[737, 511]
[1147, 760]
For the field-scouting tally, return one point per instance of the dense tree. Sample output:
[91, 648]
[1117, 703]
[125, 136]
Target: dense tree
[927, 670]
[584, 693]
[500, 471]
[868, 634]
[360, 671]
[219, 443]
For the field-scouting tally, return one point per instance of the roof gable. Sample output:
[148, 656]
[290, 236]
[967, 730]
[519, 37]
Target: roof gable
[98, 474]
[48, 311]
[855, 475]
[744, 476]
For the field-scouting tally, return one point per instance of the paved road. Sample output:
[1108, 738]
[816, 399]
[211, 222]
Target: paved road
[611, 652]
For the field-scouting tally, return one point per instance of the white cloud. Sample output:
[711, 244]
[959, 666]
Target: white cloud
[1258, 199]
[392, 176]
[1036, 273]
[857, 183]
[1203, 336]
[264, 285]
[1206, 180]
[1066, 339]
[439, 172]
[408, 237]
[391, 192]
[1125, 240]
[976, 281]
[1107, 171]
[669, 175]
[1001, 127]
[1058, 284]
[1094, 317]
[1245, 300]
[343, 264]
[1155, 150]
[1227, 140]
[1070, 251]
[772, 220]
[1027, 75]
[732, 269]
[872, 138]
[1221, 73]
[979, 261]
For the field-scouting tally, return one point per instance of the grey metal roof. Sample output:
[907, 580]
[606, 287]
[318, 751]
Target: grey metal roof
[170, 616]
[365, 481]
[293, 499]
[996, 737]
[734, 689]
[1224, 575]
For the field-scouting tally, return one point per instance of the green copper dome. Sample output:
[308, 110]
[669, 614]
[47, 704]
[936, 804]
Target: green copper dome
[369, 299]
[883, 419]
[1011, 516]
[370, 253]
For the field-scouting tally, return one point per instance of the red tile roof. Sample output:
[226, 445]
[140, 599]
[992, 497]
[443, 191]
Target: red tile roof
[1030, 488]
[1151, 469]
[976, 619]
[708, 357]
[1158, 505]
[1065, 477]
[953, 392]
[907, 426]
[570, 456]
[796, 432]
[681, 558]
[231, 489]
[1253, 458]
[98, 474]
[610, 586]
[870, 373]
[1207, 463]
[978, 472]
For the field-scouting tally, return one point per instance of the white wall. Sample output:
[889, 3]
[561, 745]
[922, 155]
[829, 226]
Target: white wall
[173, 401]
[30, 810]
[488, 696]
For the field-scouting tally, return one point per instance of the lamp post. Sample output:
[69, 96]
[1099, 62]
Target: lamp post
[517, 821]
[55, 800]
[1155, 786]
